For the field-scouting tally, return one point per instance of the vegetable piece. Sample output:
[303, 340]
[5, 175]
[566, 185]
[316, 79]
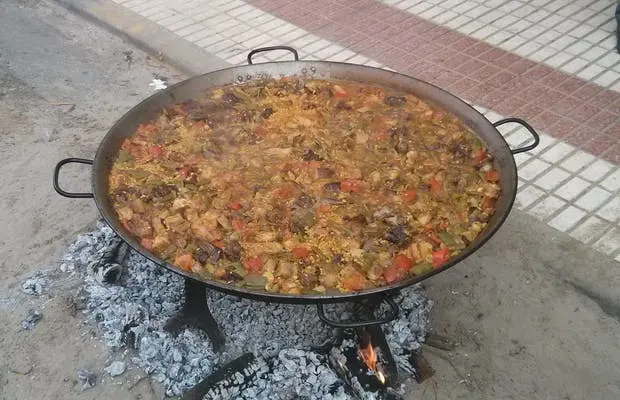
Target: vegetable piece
[479, 155]
[440, 257]
[488, 203]
[146, 129]
[284, 193]
[185, 261]
[235, 206]
[492, 176]
[254, 265]
[421, 268]
[237, 224]
[447, 238]
[401, 261]
[147, 243]
[401, 264]
[435, 186]
[339, 92]
[409, 195]
[255, 281]
[353, 279]
[301, 252]
[350, 185]
[156, 151]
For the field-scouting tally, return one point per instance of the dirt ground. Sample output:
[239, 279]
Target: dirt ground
[534, 314]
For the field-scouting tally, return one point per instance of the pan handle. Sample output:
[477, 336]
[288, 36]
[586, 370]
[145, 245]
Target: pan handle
[393, 313]
[526, 126]
[262, 49]
[57, 173]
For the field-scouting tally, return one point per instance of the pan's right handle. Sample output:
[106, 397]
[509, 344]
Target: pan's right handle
[526, 126]
[270, 48]
[57, 173]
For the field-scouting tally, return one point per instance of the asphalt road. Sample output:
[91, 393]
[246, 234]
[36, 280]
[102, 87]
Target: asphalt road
[535, 315]
[63, 83]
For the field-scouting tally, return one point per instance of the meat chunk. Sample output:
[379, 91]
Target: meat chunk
[302, 219]
[397, 235]
[232, 250]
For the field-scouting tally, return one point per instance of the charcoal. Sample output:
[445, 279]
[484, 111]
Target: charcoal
[31, 320]
[86, 378]
[287, 338]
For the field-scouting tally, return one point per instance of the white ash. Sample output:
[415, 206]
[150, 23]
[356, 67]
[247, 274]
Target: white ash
[133, 313]
[35, 285]
[31, 320]
[115, 368]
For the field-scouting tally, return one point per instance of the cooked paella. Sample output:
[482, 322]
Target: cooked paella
[304, 185]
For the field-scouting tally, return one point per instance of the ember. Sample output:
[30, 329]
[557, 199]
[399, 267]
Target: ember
[285, 340]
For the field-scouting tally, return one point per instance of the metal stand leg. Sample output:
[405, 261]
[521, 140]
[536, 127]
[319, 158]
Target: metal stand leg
[196, 313]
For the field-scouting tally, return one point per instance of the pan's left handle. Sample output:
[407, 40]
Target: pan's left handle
[57, 173]
[391, 315]
[526, 126]
[270, 48]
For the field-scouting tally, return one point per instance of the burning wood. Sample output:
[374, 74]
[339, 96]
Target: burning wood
[369, 356]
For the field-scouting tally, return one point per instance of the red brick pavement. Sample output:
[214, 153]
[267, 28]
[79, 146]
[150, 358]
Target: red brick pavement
[567, 107]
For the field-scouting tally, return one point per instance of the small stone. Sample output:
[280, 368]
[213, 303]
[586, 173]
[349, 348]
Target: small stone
[116, 368]
[86, 378]
[31, 320]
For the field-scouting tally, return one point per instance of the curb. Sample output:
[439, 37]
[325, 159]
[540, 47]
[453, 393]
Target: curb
[146, 35]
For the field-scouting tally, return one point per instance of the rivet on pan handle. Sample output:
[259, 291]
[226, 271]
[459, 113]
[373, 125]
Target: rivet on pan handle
[57, 173]
[270, 48]
[392, 314]
[527, 126]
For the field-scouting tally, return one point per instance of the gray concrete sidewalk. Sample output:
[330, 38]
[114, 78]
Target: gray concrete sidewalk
[535, 313]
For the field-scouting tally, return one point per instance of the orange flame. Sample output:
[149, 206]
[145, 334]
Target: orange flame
[369, 356]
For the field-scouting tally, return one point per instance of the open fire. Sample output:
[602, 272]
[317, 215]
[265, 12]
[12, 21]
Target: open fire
[369, 356]
[281, 347]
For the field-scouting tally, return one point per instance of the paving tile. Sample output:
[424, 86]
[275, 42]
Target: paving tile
[593, 198]
[552, 178]
[533, 168]
[545, 120]
[521, 158]
[557, 152]
[590, 230]
[611, 210]
[567, 219]
[591, 71]
[596, 171]
[546, 207]
[587, 91]
[612, 181]
[572, 188]
[610, 242]
[599, 144]
[565, 128]
[613, 154]
[584, 112]
[577, 161]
